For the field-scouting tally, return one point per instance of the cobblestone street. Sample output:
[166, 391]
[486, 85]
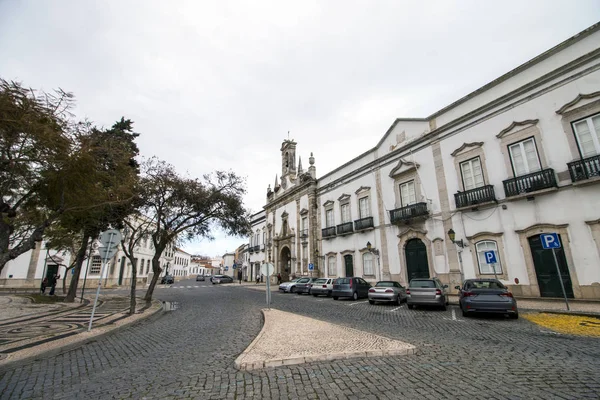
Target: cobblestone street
[189, 353]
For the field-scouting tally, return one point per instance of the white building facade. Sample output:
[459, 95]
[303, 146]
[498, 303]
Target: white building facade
[517, 158]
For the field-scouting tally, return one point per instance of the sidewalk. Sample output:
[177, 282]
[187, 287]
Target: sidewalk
[29, 329]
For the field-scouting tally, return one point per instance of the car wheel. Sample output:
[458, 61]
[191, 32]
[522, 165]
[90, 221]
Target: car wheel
[371, 301]
[293, 289]
[335, 297]
[514, 316]
[465, 314]
[444, 308]
[329, 294]
[410, 306]
[355, 296]
[314, 295]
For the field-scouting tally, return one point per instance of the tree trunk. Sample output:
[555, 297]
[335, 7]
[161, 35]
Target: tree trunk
[65, 280]
[157, 270]
[78, 263]
[133, 284]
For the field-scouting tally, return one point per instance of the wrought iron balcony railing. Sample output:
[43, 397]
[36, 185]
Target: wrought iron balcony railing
[328, 232]
[586, 168]
[345, 228]
[475, 196]
[529, 183]
[408, 212]
[363, 223]
[304, 233]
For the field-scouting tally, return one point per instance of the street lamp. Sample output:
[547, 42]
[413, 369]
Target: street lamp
[452, 236]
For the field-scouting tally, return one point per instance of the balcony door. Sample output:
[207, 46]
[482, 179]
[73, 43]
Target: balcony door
[417, 265]
[587, 132]
[545, 269]
[472, 173]
[524, 157]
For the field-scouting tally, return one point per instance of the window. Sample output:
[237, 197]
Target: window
[368, 264]
[587, 132]
[484, 267]
[328, 218]
[363, 207]
[472, 174]
[96, 265]
[407, 193]
[345, 208]
[331, 266]
[524, 157]
[304, 226]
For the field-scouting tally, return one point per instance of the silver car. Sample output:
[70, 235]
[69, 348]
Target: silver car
[427, 292]
[387, 291]
[322, 286]
[304, 285]
[289, 287]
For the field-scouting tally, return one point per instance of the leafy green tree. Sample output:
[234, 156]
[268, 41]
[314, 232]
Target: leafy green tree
[136, 228]
[186, 208]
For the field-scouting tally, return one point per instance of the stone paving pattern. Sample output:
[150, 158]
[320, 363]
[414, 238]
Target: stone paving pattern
[190, 353]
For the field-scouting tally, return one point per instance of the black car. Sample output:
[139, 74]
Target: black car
[200, 278]
[167, 279]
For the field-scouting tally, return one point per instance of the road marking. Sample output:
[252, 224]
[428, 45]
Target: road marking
[358, 302]
[453, 315]
[395, 309]
[196, 286]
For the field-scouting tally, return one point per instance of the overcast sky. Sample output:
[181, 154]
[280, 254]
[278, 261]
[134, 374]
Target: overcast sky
[217, 85]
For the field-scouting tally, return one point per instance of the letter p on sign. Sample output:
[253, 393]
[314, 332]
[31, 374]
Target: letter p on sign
[550, 241]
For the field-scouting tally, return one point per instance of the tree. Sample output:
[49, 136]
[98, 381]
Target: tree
[180, 206]
[136, 228]
[35, 146]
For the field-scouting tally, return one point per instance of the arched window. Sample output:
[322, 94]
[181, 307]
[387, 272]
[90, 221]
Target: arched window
[367, 263]
[484, 267]
[331, 266]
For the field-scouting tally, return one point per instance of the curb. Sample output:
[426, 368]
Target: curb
[75, 342]
[242, 366]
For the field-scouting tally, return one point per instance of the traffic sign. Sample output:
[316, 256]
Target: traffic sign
[311, 267]
[106, 253]
[490, 257]
[550, 240]
[110, 237]
[234, 266]
[267, 269]
[226, 268]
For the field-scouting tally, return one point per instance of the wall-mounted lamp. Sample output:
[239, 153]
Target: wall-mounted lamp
[372, 250]
[452, 236]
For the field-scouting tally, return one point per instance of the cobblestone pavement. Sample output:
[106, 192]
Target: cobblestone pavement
[190, 353]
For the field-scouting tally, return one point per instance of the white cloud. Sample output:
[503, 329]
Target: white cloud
[217, 85]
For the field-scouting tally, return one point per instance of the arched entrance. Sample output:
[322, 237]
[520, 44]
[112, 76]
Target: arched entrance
[545, 269]
[285, 263]
[417, 265]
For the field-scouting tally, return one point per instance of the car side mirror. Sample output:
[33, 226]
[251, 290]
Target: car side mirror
[457, 287]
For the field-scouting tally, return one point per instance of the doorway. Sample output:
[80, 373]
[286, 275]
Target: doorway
[545, 269]
[52, 269]
[285, 261]
[417, 265]
[348, 262]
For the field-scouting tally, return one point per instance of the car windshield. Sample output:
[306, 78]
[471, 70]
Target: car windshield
[484, 285]
[422, 284]
[343, 281]
[385, 284]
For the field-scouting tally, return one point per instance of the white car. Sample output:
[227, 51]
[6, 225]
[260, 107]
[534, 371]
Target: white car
[289, 287]
[322, 286]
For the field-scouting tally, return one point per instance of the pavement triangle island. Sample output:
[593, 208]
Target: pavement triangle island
[272, 347]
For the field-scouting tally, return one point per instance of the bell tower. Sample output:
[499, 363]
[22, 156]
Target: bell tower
[288, 158]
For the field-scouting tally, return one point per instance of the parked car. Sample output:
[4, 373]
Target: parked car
[426, 292]
[167, 279]
[200, 278]
[289, 287]
[222, 279]
[387, 291]
[486, 296]
[304, 285]
[322, 286]
[350, 287]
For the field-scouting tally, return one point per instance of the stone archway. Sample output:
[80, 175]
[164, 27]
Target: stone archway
[285, 263]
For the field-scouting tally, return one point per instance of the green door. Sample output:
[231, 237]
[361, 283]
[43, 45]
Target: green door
[545, 269]
[51, 271]
[416, 259]
[349, 265]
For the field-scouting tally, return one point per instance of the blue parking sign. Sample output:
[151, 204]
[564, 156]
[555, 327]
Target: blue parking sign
[311, 266]
[490, 257]
[550, 240]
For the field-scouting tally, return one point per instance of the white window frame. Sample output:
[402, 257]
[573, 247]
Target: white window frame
[329, 218]
[593, 131]
[304, 225]
[489, 268]
[529, 169]
[331, 266]
[364, 207]
[471, 164]
[345, 213]
[405, 186]
[368, 268]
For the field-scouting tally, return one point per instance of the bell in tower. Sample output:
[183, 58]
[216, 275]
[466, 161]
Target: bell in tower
[288, 158]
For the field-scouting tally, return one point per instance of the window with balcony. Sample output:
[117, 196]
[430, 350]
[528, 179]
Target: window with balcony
[329, 218]
[407, 193]
[345, 213]
[304, 227]
[472, 173]
[587, 133]
[524, 157]
[364, 209]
